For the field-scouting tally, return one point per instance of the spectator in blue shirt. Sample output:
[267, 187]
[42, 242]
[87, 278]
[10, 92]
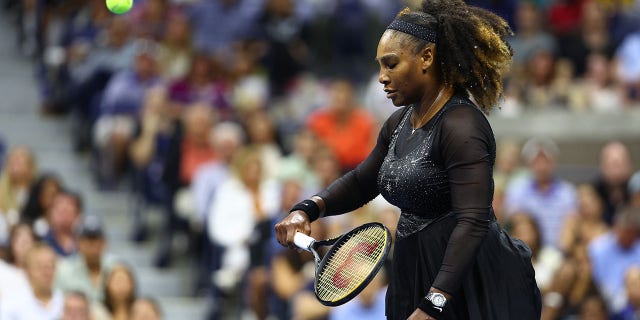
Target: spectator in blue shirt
[63, 216]
[369, 304]
[628, 56]
[219, 23]
[120, 111]
[632, 283]
[613, 254]
[549, 199]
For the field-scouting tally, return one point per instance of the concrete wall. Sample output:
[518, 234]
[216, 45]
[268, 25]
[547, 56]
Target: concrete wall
[579, 136]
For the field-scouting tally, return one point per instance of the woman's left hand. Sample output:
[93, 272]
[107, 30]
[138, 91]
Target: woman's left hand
[420, 315]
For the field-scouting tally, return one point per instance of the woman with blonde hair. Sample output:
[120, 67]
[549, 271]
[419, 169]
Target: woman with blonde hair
[15, 180]
[240, 212]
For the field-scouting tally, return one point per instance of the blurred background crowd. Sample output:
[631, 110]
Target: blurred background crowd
[216, 116]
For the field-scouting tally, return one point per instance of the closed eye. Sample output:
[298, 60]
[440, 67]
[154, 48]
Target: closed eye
[388, 61]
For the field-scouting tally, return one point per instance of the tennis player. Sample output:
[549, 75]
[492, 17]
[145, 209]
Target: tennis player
[443, 65]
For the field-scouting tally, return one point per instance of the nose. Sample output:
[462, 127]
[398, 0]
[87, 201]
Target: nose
[383, 78]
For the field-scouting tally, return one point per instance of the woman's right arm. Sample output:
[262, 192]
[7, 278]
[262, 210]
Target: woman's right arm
[346, 194]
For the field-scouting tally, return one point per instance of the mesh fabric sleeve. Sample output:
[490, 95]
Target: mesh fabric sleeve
[467, 148]
[359, 186]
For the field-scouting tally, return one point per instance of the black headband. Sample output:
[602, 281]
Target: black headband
[418, 31]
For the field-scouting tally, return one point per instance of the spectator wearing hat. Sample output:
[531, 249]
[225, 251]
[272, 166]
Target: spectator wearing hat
[84, 271]
[40, 300]
[549, 199]
[613, 254]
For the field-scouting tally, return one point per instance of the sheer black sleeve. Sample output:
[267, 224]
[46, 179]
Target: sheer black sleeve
[359, 186]
[467, 148]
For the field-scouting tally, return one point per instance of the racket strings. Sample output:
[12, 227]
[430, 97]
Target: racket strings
[351, 263]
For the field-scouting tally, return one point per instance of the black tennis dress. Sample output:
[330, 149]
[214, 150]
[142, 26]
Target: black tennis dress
[440, 176]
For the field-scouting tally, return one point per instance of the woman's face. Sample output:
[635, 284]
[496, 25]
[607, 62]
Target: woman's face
[120, 284]
[19, 165]
[401, 71]
[50, 189]
[252, 171]
[589, 203]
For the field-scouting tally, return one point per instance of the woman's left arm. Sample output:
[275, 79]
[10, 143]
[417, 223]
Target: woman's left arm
[467, 147]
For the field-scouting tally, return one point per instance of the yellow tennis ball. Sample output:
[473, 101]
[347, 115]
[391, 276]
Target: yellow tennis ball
[119, 6]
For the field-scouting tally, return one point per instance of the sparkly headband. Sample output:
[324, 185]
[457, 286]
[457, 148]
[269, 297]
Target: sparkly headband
[418, 31]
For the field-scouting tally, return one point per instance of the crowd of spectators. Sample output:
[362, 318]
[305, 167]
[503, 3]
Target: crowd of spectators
[225, 113]
[53, 260]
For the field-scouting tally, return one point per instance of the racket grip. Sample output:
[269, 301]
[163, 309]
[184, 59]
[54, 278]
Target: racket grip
[303, 241]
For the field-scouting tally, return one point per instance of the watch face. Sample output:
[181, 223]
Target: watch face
[438, 299]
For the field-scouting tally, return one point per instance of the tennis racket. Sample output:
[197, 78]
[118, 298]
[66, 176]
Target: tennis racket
[350, 264]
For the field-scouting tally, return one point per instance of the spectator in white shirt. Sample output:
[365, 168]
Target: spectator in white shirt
[40, 301]
[12, 275]
[241, 203]
[85, 271]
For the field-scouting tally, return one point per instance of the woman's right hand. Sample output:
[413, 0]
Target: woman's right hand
[296, 221]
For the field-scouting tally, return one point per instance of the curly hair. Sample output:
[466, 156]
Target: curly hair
[471, 48]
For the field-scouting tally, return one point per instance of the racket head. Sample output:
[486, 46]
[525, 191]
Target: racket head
[350, 265]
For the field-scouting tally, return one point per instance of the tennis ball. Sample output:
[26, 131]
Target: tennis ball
[119, 6]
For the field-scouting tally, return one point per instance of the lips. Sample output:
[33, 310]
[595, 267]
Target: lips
[390, 92]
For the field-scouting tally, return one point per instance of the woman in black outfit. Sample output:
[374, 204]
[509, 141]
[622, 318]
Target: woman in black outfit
[434, 160]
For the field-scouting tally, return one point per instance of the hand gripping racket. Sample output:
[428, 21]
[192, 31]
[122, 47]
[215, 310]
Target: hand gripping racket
[350, 264]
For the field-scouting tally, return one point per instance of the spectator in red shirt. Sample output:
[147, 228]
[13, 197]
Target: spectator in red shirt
[345, 127]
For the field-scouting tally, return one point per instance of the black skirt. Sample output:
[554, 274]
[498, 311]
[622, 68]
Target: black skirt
[500, 285]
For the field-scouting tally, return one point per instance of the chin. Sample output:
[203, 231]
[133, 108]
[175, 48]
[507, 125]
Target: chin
[397, 102]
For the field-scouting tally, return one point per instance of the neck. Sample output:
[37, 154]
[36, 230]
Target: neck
[120, 311]
[93, 266]
[42, 294]
[343, 114]
[430, 105]
[120, 306]
[253, 186]
[543, 185]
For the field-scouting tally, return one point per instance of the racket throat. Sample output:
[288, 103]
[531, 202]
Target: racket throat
[316, 257]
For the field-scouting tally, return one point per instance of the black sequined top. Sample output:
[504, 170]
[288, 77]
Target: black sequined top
[444, 167]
